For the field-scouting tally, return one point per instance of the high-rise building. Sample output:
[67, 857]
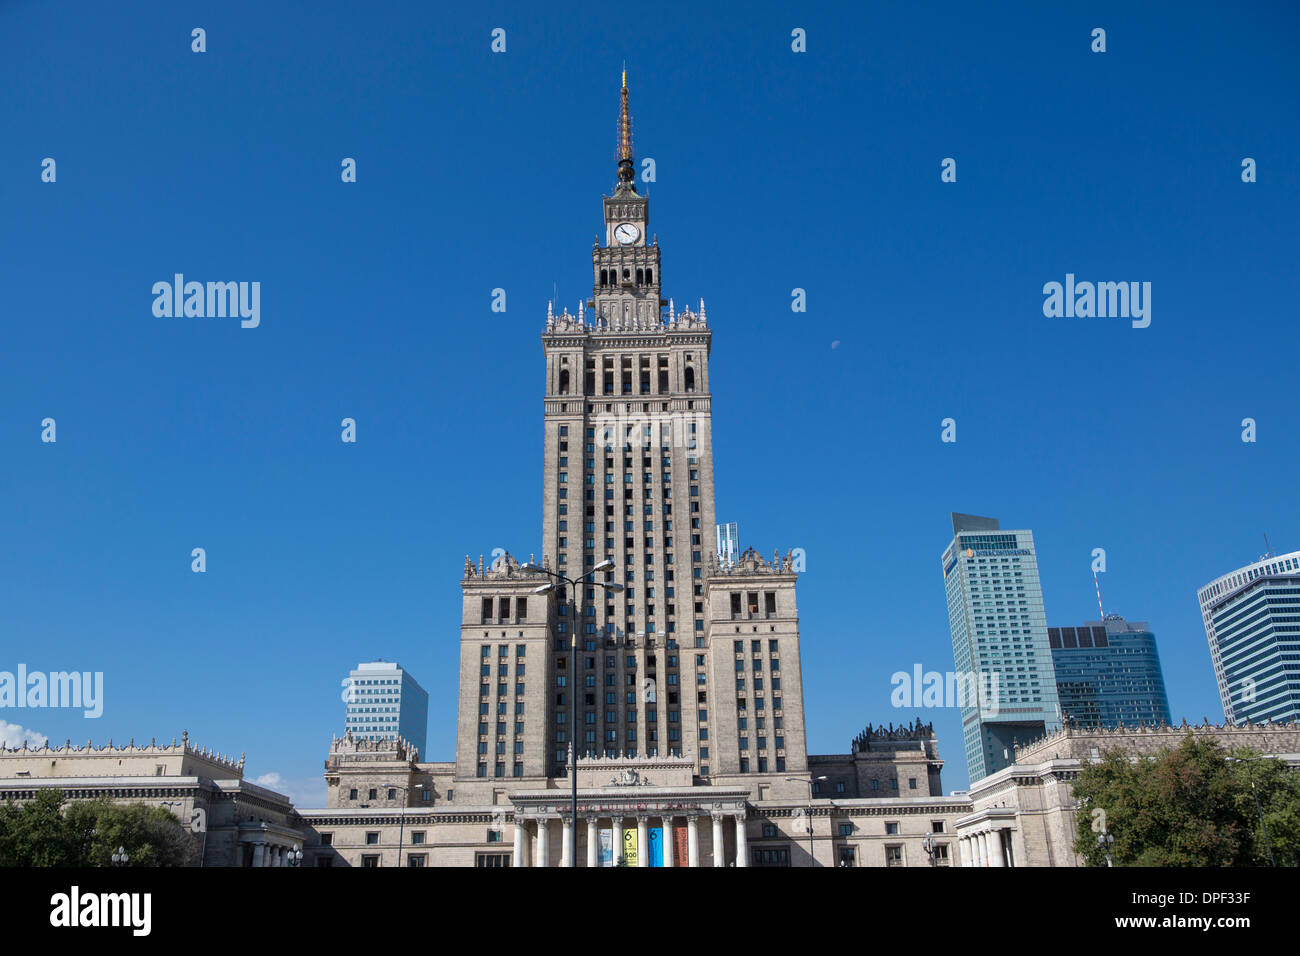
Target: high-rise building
[999, 641]
[385, 702]
[628, 477]
[728, 543]
[1252, 621]
[1108, 674]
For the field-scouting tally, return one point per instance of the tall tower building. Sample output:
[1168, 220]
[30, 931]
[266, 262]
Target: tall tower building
[1108, 674]
[628, 477]
[1252, 621]
[999, 641]
[728, 543]
[385, 702]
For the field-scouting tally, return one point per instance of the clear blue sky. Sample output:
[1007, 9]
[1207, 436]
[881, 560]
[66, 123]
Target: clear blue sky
[775, 170]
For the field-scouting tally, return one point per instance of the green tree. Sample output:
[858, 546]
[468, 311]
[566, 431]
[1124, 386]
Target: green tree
[151, 836]
[40, 832]
[1187, 806]
[35, 833]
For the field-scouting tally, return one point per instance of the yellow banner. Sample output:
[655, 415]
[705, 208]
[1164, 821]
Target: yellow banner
[629, 847]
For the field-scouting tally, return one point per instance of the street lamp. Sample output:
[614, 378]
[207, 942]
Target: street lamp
[812, 860]
[294, 856]
[532, 567]
[1254, 793]
[928, 845]
[1106, 840]
[401, 829]
[120, 857]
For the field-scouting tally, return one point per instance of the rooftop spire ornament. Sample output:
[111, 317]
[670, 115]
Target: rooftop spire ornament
[626, 162]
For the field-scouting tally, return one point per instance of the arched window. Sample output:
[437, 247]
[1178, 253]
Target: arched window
[564, 381]
[640, 276]
[649, 277]
[604, 277]
[690, 379]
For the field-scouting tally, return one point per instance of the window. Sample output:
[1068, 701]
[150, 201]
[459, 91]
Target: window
[491, 859]
[372, 838]
[893, 856]
[846, 829]
[891, 829]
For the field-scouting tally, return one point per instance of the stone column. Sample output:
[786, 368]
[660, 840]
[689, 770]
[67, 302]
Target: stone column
[518, 858]
[693, 840]
[259, 854]
[961, 849]
[543, 843]
[592, 843]
[566, 833]
[668, 841]
[719, 848]
[642, 841]
[997, 855]
[742, 848]
[983, 848]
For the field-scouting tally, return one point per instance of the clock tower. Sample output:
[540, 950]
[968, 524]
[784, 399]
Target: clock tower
[625, 270]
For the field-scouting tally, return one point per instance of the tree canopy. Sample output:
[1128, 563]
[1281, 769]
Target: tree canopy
[1188, 806]
[41, 832]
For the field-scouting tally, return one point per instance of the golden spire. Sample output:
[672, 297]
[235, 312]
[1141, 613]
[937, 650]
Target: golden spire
[625, 161]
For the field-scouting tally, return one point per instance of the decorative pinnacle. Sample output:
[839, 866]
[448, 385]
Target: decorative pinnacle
[626, 174]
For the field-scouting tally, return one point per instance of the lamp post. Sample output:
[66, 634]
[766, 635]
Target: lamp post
[120, 857]
[401, 829]
[533, 567]
[1254, 793]
[812, 860]
[294, 856]
[928, 846]
[1106, 840]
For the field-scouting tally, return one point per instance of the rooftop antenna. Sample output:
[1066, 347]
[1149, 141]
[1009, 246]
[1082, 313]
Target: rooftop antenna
[1268, 548]
[1097, 583]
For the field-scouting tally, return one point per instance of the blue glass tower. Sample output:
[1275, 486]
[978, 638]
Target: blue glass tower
[385, 702]
[1252, 621]
[1108, 674]
[999, 641]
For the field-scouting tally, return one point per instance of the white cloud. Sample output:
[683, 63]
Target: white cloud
[12, 735]
[306, 792]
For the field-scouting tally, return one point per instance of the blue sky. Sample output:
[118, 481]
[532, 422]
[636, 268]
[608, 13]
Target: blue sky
[775, 170]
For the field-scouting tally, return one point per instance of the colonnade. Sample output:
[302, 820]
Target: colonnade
[986, 848]
[533, 835]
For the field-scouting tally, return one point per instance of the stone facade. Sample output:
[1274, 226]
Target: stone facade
[1023, 815]
[234, 822]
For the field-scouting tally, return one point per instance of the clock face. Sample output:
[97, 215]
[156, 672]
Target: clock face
[626, 233]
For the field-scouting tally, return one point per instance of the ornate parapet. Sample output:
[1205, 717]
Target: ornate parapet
[602, 324]
[179, 754]
[503, 566]
[1074, 742]
[751, 562]
[913, 736]
[362, 750]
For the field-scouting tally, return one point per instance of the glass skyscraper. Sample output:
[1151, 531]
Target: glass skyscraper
[999, 641]
[1252, 621]
[728, 543]
[385, 702]
[1108, 674]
